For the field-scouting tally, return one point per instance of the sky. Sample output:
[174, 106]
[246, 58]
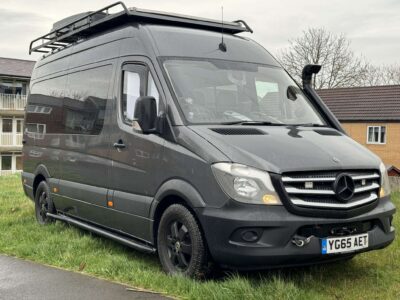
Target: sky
[372, 26]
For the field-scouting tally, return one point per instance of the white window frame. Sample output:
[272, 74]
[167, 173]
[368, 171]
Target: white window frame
[379, 134]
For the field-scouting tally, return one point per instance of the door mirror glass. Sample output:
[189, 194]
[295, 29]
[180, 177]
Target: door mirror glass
[146, 114]
[292, 92]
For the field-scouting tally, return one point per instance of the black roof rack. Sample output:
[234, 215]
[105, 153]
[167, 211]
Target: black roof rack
[86, 24]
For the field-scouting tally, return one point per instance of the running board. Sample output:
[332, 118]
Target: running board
[116, 237]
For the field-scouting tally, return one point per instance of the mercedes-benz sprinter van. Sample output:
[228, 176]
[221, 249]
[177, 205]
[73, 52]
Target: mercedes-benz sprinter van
[150, 129]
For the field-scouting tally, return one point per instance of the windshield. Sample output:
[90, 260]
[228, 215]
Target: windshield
[217, 91]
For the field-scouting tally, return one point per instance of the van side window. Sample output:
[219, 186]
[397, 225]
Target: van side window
[152, 89]
[131, 92]
[85, 100]
[74, 108]
[137, 82]
[44, 112]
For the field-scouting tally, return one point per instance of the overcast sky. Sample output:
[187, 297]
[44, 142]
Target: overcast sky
[372, 26]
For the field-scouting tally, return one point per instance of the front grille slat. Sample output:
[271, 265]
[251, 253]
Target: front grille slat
[360, 177]
[316, 189]
[370, 198]
[292, 190]
[304, 179]
[373, 186]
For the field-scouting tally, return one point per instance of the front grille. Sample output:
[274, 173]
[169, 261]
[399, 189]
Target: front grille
[317, 189]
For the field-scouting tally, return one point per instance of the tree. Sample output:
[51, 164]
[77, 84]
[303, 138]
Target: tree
[383, 75]
[340, 66]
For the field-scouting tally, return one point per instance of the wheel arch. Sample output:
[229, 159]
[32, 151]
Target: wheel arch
[174, 191]
[41, 174]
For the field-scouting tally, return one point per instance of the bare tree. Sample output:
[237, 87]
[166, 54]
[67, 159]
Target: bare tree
[340, 66]
[383, 75]
[391, 74]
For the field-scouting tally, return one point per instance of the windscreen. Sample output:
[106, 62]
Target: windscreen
[219, 91]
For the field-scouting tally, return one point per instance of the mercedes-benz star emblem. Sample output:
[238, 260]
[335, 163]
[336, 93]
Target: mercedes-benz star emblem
[344, 187]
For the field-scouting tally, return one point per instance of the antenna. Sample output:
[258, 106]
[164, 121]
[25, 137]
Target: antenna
[222, 45]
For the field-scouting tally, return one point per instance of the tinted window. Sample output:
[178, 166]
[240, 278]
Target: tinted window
[85, 100]
[45, 106]
[79, 107]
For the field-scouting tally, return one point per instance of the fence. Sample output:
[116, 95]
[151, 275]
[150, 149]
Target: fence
[12, 102]
[10, 139]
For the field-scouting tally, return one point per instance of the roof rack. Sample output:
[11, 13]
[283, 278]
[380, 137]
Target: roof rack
[90, 23]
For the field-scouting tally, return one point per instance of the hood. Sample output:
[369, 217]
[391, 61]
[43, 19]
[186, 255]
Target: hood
[288, 148]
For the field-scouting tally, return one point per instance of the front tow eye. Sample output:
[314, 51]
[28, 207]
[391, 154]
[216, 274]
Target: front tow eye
[301, 241]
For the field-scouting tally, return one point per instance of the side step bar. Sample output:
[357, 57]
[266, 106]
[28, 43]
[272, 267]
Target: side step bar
[116, 237]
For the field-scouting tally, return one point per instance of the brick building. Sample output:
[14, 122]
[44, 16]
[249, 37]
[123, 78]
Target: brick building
[14, 85]
[371, 116]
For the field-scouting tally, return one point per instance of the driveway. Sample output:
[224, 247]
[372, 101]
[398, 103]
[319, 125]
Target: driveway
[21, 279]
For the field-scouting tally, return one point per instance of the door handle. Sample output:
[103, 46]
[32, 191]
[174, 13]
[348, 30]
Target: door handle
[119, 145]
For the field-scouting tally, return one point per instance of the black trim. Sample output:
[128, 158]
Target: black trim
[100, 21]
[108, 234]
[322, 108]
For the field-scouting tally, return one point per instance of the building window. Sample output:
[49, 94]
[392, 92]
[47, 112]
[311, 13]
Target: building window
[18, 162]
[376, 135]
[37, 109]
[7, 125]
[6, 162]
[19, 126]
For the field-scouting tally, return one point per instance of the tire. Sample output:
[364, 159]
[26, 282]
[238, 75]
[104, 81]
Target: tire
[180, 243]
[43, 204]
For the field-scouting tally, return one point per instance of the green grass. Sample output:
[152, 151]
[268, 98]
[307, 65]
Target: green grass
[373, 275]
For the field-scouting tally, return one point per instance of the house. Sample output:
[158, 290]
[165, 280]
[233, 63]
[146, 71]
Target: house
[14, 85]
[393, 171]
[371, 116]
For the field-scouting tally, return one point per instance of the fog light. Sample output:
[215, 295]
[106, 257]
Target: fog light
[250, 236]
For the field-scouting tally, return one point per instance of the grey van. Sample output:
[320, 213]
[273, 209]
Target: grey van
[175, 135]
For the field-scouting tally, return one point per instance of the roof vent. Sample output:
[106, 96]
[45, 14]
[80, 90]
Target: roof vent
[238, 131]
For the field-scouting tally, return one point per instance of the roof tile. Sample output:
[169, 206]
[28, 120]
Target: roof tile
[364, 103]
[16, 67]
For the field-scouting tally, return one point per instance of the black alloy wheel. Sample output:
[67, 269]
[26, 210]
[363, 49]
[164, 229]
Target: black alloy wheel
[180, 244]
[43, 204]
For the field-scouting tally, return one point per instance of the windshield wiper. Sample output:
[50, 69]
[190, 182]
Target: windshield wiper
[253, 123]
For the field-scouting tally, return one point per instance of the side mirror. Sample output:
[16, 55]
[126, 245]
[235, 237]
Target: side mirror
[146, 114]
[291, 92]
[308, 72]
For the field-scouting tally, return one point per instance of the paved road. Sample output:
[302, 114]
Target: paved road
[21, 279]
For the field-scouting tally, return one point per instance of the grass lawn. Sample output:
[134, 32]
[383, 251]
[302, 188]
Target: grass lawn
[373, 275]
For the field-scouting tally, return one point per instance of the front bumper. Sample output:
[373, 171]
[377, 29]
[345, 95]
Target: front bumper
[276, 228]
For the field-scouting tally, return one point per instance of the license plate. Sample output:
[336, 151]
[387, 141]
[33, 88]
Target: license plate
[344, 244]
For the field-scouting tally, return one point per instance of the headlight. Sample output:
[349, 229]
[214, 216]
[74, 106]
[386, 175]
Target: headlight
[385, 184]
[246, 184]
